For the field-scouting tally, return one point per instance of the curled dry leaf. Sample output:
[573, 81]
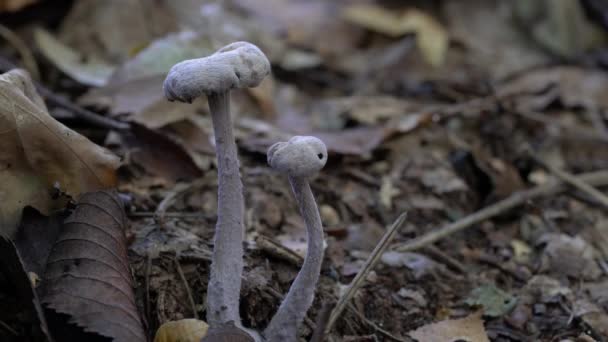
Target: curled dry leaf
[38, 153]
[469, 328]
[88, 276]
[184, 330]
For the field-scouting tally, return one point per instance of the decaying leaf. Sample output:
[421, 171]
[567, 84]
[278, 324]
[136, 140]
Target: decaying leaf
[14, 5]
[570, 256]
[88, 277]
[431, 36]
[38, 154]
[91, 72]
[495, 302]
[185, 330]
[23, 297]
[469, 328]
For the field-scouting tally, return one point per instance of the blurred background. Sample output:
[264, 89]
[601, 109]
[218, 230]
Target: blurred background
[438, 108]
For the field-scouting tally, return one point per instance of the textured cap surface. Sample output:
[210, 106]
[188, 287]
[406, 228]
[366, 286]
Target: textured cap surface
[237, 65]
[301, 156]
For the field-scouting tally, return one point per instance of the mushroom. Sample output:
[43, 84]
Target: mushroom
[300, 158]
[237, 65]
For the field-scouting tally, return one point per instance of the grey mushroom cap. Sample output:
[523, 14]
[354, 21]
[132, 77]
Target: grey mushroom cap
[237, 65]
[301, 156]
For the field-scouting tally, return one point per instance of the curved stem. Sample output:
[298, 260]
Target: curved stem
[227, 262]
[284, 325]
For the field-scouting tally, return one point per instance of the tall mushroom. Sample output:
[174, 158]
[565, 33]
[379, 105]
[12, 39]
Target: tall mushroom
[300, 158]
[237, 65]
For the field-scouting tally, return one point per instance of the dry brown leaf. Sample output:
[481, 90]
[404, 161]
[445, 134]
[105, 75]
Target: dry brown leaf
[88, 276]
[184, 330]
[432, 38]
[14, 5]
[38, 153]
[469, 328]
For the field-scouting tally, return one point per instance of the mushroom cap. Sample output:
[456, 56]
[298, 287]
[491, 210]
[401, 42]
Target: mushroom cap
[237, 65]
[301, 156]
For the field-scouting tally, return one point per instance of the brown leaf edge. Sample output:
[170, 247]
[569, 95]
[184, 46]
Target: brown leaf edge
[13, 273]
[87, 281]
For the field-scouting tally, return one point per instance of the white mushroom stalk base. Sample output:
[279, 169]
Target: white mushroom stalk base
[284, 325]
[225, 276]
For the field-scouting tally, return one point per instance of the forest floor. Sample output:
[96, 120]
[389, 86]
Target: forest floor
[463, 114]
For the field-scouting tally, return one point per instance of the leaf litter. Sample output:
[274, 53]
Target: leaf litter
[430, 119]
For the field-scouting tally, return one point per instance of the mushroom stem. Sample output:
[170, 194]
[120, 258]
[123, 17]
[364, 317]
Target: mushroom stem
[284, 325]
[227, 260]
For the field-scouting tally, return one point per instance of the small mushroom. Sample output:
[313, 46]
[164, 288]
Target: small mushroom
[300, 158]
[237, 65]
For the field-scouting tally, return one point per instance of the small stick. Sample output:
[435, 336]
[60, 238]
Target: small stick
[370, 263]
[573, 180]
[186, 286]
[518, 198]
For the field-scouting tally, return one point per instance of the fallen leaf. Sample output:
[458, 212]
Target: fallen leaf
[431, 36]
[486, 30]
[561, 26]
[112, 30]
[495, 302]
[469, 328]
[22, 296]
[14, 5]
[160, 155]
[39, 154]
[184, 330]
[89, 71]
[593, 316]
[573, 86]
[569, 256]
[88, 277]
[419, 264]
[35, 237]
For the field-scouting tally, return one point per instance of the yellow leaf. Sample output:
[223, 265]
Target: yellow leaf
[184, 330]
[38, 153]
[431, 36]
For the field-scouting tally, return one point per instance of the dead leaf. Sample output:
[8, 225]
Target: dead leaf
[14, 5]
[419, 264]
[88, 276]
[495, 302]
[469, 328]
[573, 86]
[569, 256]
[561, 26]
[88, 71]
[160, 155]
[35, 237]
[487, 31]
[38, 154]
[17, 285]
[112, 30]
[431, 36]
[185, 330]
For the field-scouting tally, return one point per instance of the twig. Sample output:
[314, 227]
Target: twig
[370, 263]
[186, 286]
[576, 130]
[26, 54]
[179, 190]
[322, 319]
[375, 326]
[572, 180]
[84, 114]
[518, 198]
[8, 328]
